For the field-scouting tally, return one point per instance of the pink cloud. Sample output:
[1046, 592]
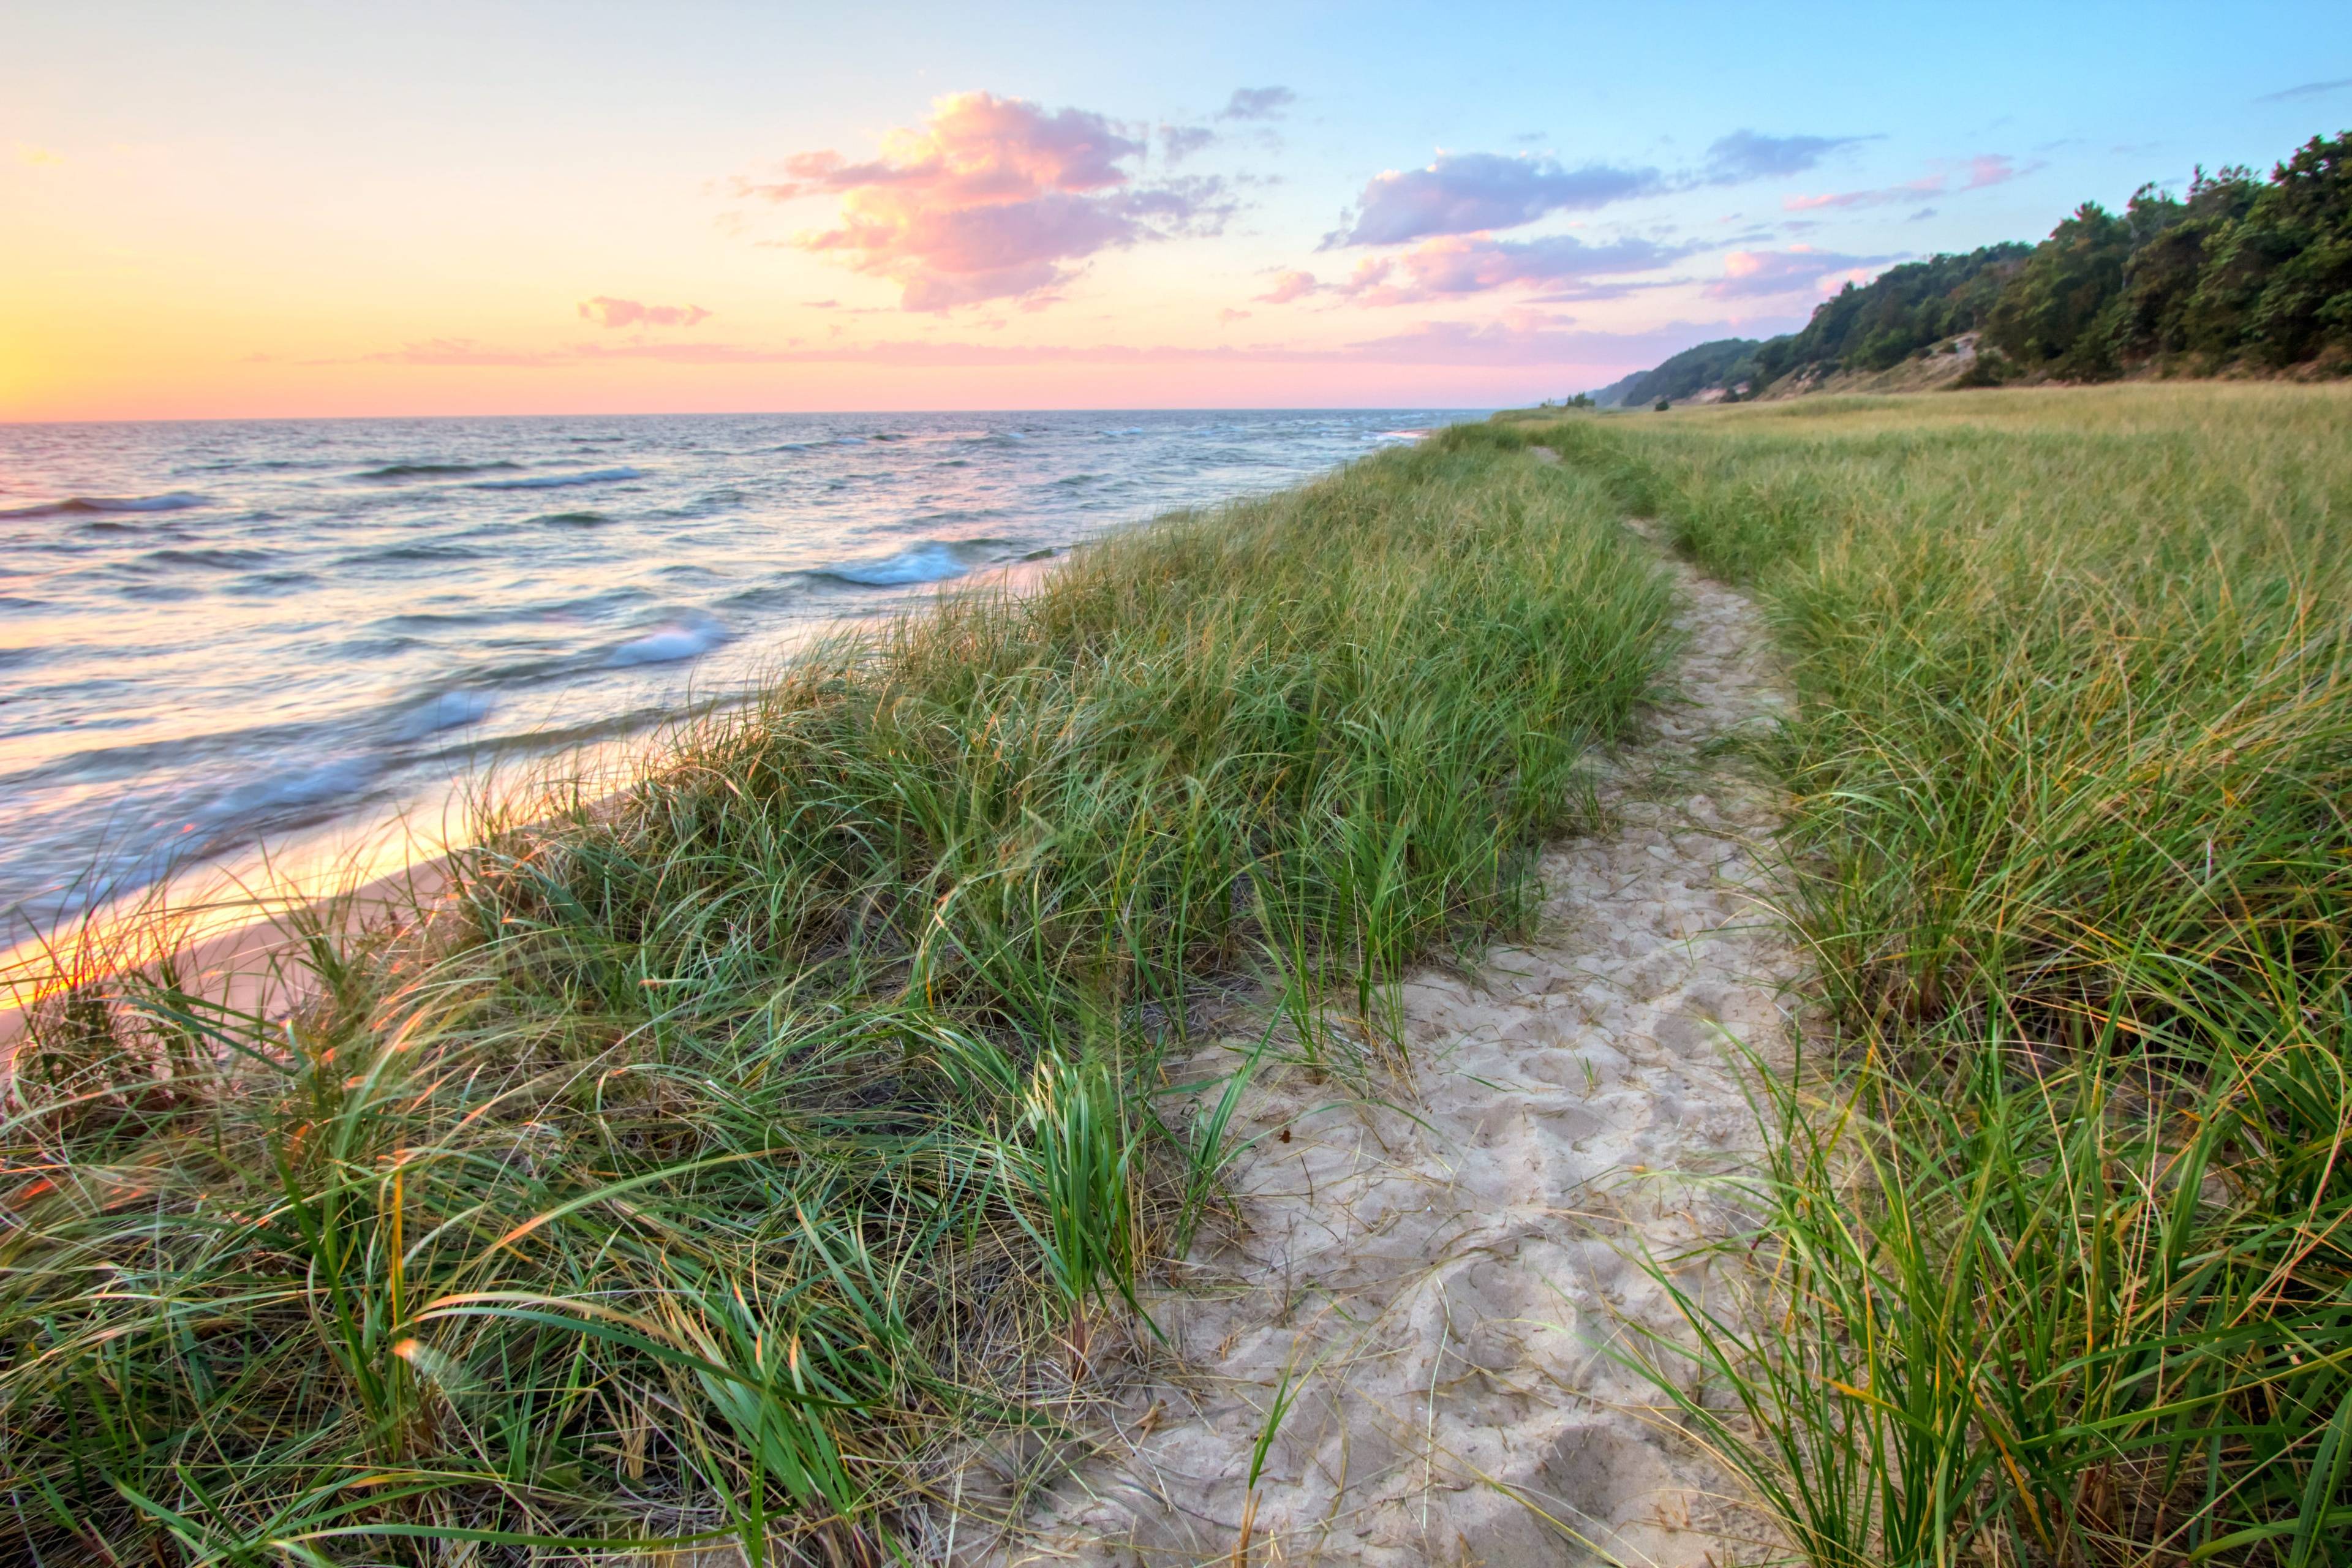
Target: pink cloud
[1990, 169]
[1757, 274]
[1971, 175]
[991, 198]
[608, 311]
[1457, 266]
[1288, 286]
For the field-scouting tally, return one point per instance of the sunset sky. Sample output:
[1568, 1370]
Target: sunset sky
[231, 210]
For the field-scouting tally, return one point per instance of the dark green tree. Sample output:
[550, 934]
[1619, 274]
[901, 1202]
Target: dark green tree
[2055, 314]
[2157, 318]
[2298, 237]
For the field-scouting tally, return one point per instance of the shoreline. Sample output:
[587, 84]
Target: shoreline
[272, 627]
[244, 909]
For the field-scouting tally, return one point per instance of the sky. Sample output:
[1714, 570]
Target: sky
[264, 210]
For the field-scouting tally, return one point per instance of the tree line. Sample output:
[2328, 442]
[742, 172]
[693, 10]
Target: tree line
[2243, 272]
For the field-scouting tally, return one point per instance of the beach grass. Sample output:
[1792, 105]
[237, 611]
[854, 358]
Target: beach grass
[743, 1158]
[2055, 1241]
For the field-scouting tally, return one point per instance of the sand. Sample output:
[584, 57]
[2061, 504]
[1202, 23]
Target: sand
[1442, 1278]
[245, 952]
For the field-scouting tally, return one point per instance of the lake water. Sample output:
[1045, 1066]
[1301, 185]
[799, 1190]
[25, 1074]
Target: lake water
[216, 634]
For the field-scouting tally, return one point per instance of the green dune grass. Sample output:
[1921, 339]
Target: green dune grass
[727, 1157]
[2059, 1250]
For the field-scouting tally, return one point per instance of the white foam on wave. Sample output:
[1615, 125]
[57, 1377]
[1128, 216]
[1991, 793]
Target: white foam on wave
[667, 645]
[563, 481]
[293, 789]
[448, 711]
[173, 500]
[930, 561]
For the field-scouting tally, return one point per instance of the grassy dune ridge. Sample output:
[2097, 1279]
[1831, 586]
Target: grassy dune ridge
[2062, 1251]
[727, 1157]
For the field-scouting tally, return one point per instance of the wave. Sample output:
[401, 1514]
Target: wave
[766, 596]
[604, 604]
[73, 506]
[932, 561]
[439, 620]
[563, 481]
[951, 515]
[372, 647]
[262, 584]
[433, 470]
[571, 520]
[559, 663]
[668, 645]
[420, 551]
[215, 753]
[710, 505]
[289, 796]
[446, 710]
[233, 465]
[215, 559]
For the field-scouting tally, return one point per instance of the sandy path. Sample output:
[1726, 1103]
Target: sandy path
[1445, 1282]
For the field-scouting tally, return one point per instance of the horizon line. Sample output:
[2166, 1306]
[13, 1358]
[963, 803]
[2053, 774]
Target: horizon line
[784, 412]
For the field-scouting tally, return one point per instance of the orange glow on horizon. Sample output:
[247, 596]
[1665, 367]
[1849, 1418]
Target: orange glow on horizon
[999, 254]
